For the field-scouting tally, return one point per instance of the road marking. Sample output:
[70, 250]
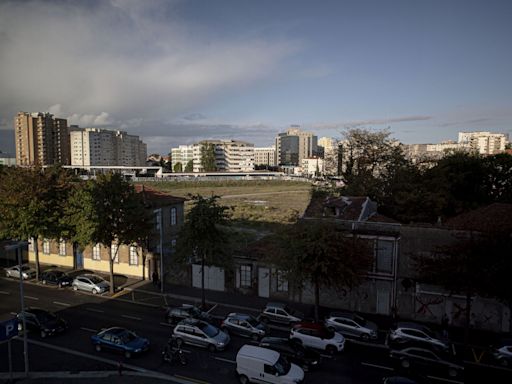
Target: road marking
[61, 303]
[225, 360]
[131, 317]
[13, 313]
[446, 380]
[327, 356]
[378, 366]
[212, 308]
[5, 293]
[191, 379]
[31, 297]
[166, 324]
[94, 310]
[88, 329]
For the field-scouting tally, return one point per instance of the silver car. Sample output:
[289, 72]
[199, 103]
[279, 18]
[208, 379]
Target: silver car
[26, 272]
[90, 283]
[201, 334]
[412, 333]
[352, 325]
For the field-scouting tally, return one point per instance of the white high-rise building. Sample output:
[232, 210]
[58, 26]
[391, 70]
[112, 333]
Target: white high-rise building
[230, 155]
[102, 147]
[182, 154]
[265, 156]
[485, 143]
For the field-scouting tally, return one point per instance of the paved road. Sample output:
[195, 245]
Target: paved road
[87, 314]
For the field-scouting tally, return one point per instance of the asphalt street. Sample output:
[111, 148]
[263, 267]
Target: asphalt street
[87, 314]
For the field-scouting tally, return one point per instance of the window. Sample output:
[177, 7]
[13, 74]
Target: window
[245, 276]
[282, 282]
[173, 216]
[114, 252]
[46, 247]
[62, 247]
[96, 252]
[384, 256]
[134, 257]
[269, 369]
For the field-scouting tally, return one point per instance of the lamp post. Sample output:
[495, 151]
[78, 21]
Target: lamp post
[15, 247]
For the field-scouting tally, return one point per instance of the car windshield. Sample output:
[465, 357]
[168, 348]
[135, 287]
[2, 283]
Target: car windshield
[360, 321]
[58, 273]
[282, 366]
[127, 337]
[252, 321]
[45, 316]
[210, 330]
[25, 268]
[326, 333]
[194, 311]
[96, 279]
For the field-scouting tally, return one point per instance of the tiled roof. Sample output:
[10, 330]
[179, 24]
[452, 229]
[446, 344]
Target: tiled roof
[156, 197]
[496, 217]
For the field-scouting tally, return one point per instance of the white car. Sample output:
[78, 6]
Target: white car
[413, 333]
[351, 325]
[317, 336]
[26, 272]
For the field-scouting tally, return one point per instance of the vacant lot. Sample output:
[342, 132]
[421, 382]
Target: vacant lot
[258, 203]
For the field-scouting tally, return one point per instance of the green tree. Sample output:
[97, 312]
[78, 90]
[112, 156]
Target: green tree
[190, 166]
[106, 211]
[178, 167]
[322, 254]
[208, 157]
[203, 238]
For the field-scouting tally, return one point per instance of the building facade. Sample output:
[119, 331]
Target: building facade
[265, 156]
[182, 154]
[313, 167]
[328, 146]
[102, 147]
[294, 145]
[41, 139]
[230, 155]
[485, 143]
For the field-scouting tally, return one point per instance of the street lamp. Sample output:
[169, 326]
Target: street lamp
[15, 247]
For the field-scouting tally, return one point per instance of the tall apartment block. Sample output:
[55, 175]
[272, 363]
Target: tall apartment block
[485, 143]
[102, 147]
[230, 155]
[295, 145]
[182, 154]
[41, 139]
[265, 156]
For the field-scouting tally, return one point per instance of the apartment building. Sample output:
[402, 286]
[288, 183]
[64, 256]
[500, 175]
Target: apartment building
[485, 143]
[230, 155]
[41, 139]
[294, 145]
[102, 147]
[329, 147]
[265, 156]
[313, 166]
[182, 154]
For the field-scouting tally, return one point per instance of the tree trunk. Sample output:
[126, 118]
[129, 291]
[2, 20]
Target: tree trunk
[203, 293]
[317, 299]
[111, 265]
[36, 254]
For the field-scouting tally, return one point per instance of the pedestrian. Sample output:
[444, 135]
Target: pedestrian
[155, 277]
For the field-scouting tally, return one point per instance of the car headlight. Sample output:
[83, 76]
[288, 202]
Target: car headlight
[220, 343]
[137, 350]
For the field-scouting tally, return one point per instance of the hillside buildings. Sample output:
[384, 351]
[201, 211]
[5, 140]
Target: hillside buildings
[265, 156]
[182, 155]
[485, 143]
[41, 139]
[230, 155]
[102, 147]
[294, 145]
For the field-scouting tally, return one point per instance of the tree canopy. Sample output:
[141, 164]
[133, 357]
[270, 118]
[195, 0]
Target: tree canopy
[208, 157]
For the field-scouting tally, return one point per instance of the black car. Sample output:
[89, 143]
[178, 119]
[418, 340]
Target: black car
[56, 277]
[174, 315]
[426, 361]
[42, 321]
[295, 353]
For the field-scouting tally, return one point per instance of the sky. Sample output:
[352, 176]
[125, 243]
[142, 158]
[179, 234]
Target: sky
[176, 71]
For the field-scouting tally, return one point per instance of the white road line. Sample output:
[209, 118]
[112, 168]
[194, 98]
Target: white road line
[131, 317]
[61, 303]
[166, 324]
[13, 313]
[88, 329]
[212, 308]
[94, 310]
[5, 293]
[225, 360]
[378, 366]
[31, 297]
[446, 380]
[327, 356]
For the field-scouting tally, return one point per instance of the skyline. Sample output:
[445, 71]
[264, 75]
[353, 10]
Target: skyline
[176, 72]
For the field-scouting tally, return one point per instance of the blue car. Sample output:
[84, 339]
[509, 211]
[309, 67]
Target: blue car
[121, 340]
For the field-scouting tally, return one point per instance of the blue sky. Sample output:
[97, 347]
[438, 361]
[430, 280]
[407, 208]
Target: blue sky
[175, 72]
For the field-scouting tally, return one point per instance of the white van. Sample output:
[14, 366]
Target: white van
[261, 365]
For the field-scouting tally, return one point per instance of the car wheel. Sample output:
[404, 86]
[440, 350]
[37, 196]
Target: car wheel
[243, 379]
[504, 363]
[212, 348]
[94, 291]
[264, 319]
[43, 334]
[331, 329]
[305, 368]
[127, 354]
[255, 337]
[365, 337]
[331, 349]
[98, 348]
[405, 363]
[452, 372]
[44, 282]
[75, 288]
[169, 320]
[179, 341]
[296, 341]
[59, 285]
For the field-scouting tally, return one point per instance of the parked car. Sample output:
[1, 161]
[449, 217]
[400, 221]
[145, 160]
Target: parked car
[317, 336]
[90, 283]
[42, 321]
[55, 277]
[280, 313]
[174, 315]
[398, 380]
[261, 365]
[425, 360]
[305, 358]
[244, 325]
[120, 340]
[503, 354]
[351, 325]
[26, 272]
[200, 333]
[412, 333]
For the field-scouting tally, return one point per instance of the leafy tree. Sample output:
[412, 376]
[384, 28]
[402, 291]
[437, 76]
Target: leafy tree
[202, 237]
[321, 253]
[106, 211]
[190, 166]
[498, 177]
[178, 167]
[208, 157]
